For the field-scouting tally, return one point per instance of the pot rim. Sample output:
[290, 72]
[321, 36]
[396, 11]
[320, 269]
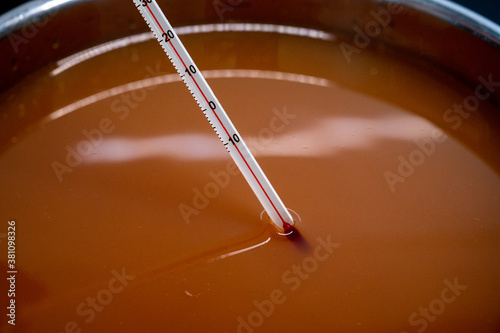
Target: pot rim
[448, 11]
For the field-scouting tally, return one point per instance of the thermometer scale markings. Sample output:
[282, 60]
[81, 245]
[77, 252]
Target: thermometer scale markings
[248, 166]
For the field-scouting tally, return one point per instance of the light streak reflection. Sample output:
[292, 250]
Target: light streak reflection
[77, 58]
[230, 254]
[169, 78]
[338, 134]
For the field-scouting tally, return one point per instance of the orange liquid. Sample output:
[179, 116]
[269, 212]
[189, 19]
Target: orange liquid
[131, 217]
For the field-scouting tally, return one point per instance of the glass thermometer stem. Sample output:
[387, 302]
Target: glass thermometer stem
[217, 117]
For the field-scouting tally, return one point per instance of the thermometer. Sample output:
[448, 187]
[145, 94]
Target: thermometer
[217, 117]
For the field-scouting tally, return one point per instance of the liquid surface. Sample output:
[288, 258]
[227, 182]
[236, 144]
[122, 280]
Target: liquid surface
[130, 215]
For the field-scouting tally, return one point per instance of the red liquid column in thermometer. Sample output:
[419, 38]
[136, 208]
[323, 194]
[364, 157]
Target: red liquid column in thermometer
[215, 114]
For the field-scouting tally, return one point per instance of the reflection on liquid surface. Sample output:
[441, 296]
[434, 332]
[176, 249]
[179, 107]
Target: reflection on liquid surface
[120, 180]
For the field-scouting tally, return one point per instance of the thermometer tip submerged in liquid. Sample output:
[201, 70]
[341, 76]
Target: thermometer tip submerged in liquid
[215, 114]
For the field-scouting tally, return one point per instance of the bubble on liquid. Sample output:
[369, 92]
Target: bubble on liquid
[374, 71]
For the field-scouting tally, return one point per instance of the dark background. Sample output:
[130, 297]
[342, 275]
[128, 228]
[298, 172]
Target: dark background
[487, 8]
